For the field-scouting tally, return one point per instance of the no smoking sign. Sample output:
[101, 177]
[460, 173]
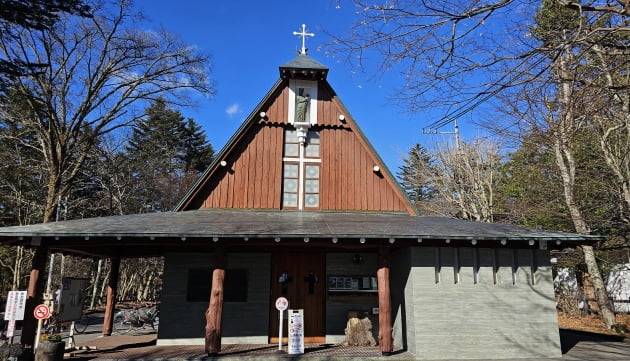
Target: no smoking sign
[282, 304]
[41, 312]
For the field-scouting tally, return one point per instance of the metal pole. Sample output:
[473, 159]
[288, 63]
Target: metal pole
[280, 336]
[50, 268]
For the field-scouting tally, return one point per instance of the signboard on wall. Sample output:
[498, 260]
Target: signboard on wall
[296, 332]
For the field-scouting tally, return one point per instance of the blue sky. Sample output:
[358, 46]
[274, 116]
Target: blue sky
[249, 40]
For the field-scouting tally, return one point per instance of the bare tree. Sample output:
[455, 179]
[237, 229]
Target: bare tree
[461, 54]
[464, 175]
[101, 72]
[455, 55]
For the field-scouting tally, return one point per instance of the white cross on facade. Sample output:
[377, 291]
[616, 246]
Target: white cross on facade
[303, 34]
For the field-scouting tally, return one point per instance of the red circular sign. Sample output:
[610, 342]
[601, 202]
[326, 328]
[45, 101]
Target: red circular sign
[41, 312]
[282, 304]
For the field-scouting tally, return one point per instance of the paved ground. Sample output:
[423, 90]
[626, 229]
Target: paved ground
[577, 346]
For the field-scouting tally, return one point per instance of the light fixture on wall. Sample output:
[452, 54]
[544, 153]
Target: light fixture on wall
[357, 259]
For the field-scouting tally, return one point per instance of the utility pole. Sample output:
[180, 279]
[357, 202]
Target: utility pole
[455, 132]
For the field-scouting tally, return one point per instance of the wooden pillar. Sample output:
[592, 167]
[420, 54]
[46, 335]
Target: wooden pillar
[214, 313]
[112, 292]
[33, 295]
[385, 338]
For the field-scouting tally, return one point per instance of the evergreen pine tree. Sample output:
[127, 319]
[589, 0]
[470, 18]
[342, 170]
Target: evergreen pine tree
[166, 151]
[415, 179]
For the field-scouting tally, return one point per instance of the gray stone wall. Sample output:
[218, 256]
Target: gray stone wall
[243, 322]
[504, 310]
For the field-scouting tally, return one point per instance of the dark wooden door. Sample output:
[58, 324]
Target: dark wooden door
[300, 277]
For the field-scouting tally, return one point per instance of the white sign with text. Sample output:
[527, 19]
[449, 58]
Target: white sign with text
[296, 332]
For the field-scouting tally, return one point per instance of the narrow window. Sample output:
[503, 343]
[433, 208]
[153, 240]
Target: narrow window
[311, 186]
[290, 186]
[301, 184]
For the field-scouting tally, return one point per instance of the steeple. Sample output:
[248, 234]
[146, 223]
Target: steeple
[303, 67]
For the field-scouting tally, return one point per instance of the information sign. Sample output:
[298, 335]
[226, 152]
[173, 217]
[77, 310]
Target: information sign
[71, 299]
[296, 332]
[16, 303]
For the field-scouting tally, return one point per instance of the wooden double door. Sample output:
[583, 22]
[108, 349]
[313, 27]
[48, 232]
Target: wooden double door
[300, 277]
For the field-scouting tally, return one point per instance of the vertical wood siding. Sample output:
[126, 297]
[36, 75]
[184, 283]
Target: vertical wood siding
[253, 175]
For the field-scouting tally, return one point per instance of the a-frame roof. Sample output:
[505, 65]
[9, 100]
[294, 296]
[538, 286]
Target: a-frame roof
[304, 68]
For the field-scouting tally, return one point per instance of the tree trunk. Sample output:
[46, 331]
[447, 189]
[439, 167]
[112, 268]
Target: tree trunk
[34, 295]
[608, 316]
[112, 287]
[385, 337]
[214, 314]
[565, 125]
[97, 277]
[17, 270]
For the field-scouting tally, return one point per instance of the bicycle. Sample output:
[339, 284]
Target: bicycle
[126, 320]
[82, 324]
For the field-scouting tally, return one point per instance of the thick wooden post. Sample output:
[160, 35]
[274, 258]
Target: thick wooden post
[214, 314]
[112, 292]
[33, 295]
[385, 338]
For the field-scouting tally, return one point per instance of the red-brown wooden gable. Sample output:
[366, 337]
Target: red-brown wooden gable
[252, 177]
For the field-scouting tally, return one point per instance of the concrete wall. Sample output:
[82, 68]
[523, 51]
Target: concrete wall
[184, 322]
[337, 307]
[444, 313]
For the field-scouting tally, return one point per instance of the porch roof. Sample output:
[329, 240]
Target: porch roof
[153, 231]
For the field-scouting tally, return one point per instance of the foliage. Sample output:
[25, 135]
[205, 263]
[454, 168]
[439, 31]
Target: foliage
[51, 337]
[101, 71]
[33, 15]
[414, 178]
[165, 153]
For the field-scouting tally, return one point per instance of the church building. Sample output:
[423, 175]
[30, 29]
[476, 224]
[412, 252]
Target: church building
[299, 205]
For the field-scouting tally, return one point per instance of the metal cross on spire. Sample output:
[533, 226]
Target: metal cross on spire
[303, 34]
